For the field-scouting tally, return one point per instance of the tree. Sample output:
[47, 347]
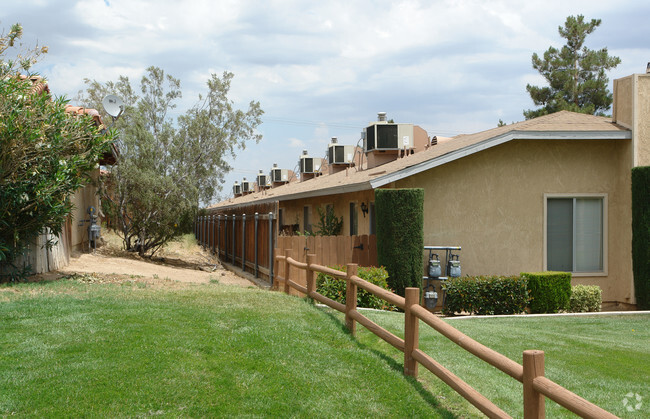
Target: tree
[167, 166]
[45, 154]
[328, 223]
[575, 74]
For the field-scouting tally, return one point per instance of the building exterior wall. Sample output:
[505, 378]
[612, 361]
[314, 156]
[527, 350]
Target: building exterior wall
[293, 210]
[632, 110]
[642, 126]
[492, 205]
[82, 199]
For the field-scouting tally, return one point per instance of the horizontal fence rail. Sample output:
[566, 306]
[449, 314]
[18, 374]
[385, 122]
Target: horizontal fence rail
[531, 374]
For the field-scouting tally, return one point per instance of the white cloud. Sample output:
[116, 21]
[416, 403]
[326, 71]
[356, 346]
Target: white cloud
[323, 69]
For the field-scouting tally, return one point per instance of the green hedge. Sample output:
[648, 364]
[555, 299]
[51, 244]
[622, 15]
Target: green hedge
[641, 235]
[549, 292]
[585, 298]
[485, 295]
[400, 236]
[334, 288]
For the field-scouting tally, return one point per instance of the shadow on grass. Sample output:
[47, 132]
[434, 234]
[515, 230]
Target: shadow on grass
[393, 364]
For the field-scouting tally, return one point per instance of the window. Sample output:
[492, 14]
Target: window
[354, 219]
[371, 216]
[307, 219]
[575, 234]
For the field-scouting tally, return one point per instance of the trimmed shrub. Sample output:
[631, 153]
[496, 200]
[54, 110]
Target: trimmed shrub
[641, 235]
[549, 292]
[334, 288]
[585, 298]
[400, 236]
[485, 295]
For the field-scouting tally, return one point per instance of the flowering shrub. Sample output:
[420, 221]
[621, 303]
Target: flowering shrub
[485, 295]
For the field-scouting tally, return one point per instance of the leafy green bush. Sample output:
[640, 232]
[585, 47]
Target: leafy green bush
[485, 295]
[549, 291]
[334, 288]
[585, 298]
[641, 235]
[46, 155]
[400, 237]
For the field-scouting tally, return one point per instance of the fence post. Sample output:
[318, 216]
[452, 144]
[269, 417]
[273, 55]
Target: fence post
[287, 252]
[255, 235]
[219, 237]
[243, 242]
[225, 237]
[276, 265]
[350, 298]
[411, 331]
[210, 232]
[202, 231]
[310, 274]
[271, 260]
[214, 234]
[533, 400]
[234, 234]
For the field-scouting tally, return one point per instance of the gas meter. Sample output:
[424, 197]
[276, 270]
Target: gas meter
[453, 267]
[435, 270]
[93, 229]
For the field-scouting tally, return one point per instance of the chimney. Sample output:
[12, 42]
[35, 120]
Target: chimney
[630, 110]
[381, 116]
[336, 140]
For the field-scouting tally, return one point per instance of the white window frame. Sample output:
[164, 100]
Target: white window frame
[604, 198]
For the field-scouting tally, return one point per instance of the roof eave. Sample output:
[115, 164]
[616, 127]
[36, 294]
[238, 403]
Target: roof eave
[356, 187]
[495, 141]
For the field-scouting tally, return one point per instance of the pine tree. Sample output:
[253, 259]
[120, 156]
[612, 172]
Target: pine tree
[575, 74]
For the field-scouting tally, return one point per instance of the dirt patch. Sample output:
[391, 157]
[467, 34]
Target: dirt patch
[181, 261]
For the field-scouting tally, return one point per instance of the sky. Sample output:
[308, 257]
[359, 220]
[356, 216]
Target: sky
[324, 69]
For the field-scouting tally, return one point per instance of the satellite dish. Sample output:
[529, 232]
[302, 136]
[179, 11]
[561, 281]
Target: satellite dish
[113, 105]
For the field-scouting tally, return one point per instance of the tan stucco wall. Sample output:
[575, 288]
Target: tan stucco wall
[642, 126]
[623, 105]
[492, 204]
[631, 109]
[82, 199]
[293, 210]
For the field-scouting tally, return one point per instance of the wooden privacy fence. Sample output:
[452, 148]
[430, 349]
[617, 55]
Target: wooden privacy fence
[241, 240]
[531, 374]
[330, 251]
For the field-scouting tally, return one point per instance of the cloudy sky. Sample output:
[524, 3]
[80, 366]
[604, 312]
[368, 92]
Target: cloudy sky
[323, 69]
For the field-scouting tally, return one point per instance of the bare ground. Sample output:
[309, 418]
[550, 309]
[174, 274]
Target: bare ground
[182, 261]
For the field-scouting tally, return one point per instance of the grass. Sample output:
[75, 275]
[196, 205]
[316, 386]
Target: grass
[600, 358]
[86, 347]
[78, 347]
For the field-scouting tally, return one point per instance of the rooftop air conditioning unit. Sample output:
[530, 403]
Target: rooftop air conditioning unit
[236, 189]
[309, 165]
[340, 154]
[246, 186]
[279, 175]
[262, 180]
[384, 135]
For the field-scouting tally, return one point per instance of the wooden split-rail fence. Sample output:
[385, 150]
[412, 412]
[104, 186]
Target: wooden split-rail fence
[531, 374]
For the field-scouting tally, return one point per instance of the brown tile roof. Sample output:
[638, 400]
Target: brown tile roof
[560, 125]
[39, 85]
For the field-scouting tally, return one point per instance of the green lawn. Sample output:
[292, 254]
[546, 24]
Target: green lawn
[76, 349]
[600, 358]
[73, 348]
